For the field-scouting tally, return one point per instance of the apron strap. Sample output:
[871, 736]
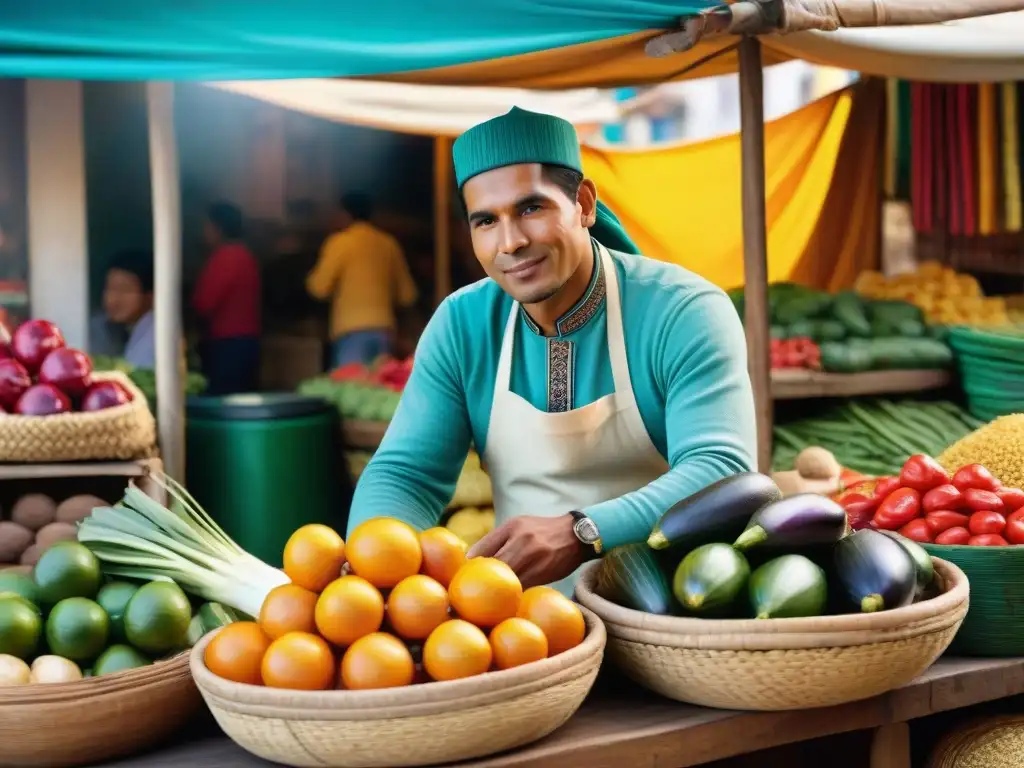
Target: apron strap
[503, 378]
[616, 334]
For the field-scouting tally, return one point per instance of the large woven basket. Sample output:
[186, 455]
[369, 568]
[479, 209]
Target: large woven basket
[995, 742]
[122, 433]
[419, 725]
[781, 664]
[97, 719]
[994, 626]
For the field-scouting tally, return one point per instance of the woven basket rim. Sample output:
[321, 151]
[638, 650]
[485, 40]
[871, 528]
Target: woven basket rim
[89, 687]
[421, 694]
[957, 593]
[138, 396]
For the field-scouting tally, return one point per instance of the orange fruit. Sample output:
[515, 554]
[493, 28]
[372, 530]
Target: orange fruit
[349, 608]
[288, 608]
[236, 652]
[384, 551]
[485, 592]
[417, 606]
[299, 661]
[517, 641]
[456, 649]
[443, 554]
[559, 618]
[313, 556]
[379, 660]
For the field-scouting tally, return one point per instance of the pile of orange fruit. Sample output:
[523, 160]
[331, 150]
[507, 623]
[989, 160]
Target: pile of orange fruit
[389, 608]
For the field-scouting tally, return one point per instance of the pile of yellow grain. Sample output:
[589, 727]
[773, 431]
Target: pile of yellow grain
[998, 446]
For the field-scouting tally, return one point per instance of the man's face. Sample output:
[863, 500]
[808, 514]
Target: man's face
[124, 301]
[526, 232]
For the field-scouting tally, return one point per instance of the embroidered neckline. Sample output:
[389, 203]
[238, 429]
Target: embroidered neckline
[584, 309]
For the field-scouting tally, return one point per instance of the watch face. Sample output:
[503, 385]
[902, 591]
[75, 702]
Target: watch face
[586, 531]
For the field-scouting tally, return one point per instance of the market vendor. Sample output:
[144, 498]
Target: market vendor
[600, 387]
[125, 326]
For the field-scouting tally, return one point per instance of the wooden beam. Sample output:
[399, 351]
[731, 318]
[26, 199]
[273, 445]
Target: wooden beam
[755, 243]
[442, 218]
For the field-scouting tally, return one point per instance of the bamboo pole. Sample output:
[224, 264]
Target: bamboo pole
[755, 243]
[166, 189]
[442, 218]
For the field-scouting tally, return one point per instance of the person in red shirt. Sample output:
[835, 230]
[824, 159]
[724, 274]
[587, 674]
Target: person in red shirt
[227, 298]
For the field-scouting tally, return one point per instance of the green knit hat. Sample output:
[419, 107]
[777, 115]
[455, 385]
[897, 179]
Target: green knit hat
[519, 137]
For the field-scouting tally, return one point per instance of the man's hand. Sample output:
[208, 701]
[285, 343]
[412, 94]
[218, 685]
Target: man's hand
[541, 550]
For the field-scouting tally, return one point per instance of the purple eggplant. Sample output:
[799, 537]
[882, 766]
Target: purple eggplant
[876, 572]
[803, 520]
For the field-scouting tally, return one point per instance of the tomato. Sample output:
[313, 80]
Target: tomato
[952, 536]
[986, 522]
[884, 486]
[975, 476]
[850, 479]
[982, 501]
[1018, 515]
[917, 530]
[946, 496]
[859, 509]
[1014, 532]
[943, 519]
[898, 509]
[922, 473]
[1013, 498]
[988, 540]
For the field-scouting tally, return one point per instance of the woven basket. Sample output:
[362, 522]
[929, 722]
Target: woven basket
[994, 626]
[97, 719]
[781, 664]
[419, 725]
[122, 433]
[991, 743]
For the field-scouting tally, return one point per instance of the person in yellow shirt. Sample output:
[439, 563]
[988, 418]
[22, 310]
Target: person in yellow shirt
[362, 271]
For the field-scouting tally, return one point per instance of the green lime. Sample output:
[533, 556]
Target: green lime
[67, 569]
[77, 629]
[20, 626]
[19, 584]
[118, 658]
[113, 598]
[157, 617]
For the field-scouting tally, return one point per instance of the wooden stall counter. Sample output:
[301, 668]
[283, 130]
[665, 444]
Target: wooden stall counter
[631, 727]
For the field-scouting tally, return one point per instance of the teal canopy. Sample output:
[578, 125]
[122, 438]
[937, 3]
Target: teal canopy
[236, 40]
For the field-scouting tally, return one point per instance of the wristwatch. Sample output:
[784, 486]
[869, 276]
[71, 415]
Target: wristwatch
[586, 531]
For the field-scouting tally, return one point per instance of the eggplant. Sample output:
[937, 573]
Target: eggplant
[923, 566]
[709, 579]
[877, 572]
[806, 519]
[631, 576]
[788, 587]
[719, 512]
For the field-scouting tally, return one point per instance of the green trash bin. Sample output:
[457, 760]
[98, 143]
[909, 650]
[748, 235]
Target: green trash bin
[263, 465]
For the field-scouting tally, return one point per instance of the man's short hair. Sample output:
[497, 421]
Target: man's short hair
[138, 262]
[358, 205]
[227, 218]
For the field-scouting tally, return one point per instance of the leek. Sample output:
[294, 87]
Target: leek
[140, 538]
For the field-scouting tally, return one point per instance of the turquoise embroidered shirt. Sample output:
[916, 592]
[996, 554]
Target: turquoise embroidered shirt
[688, 366]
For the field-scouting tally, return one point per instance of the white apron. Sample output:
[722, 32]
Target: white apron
[549, 464]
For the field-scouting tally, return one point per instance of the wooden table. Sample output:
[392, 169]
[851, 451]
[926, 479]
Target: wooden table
[640, 730]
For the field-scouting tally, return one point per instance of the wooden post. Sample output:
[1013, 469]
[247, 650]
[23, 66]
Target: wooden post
[755, 243]
[442, 218]
[170, 386]
[890, 746]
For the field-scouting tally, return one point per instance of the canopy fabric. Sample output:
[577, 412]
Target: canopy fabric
[682, 203]
[423, 110]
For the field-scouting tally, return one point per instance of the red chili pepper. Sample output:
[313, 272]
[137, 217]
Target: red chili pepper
[859, 509]
[1018, 515]
[982, 501]
[946, 496]
[1014, 532]
[899, 508]
[988, 540]
[922, 473]
[943, 519]
[885, 486]
[917, 530]
[975, 476]
[952, 536]
[1013, 498]
[986, 522]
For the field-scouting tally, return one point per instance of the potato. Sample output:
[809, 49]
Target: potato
[55, 532]
[31, 555]
[14, 540]
[76, 508]
[34, 510]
